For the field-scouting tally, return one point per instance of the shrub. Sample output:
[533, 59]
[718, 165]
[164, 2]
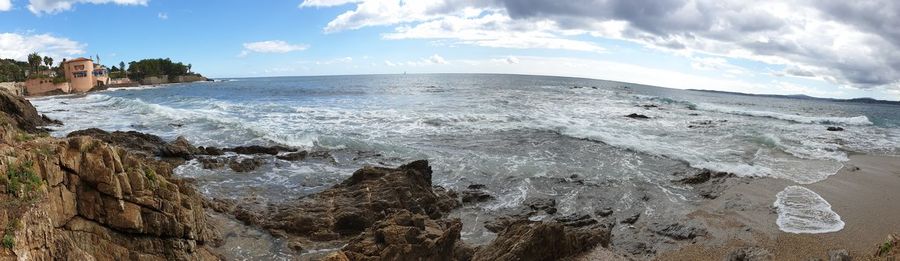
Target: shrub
[21, 179]
[8, 241]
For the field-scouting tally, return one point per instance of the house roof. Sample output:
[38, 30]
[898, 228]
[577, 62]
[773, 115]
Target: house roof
[79, 59]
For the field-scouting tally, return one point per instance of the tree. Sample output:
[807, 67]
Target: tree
[35, 61]
[48, 61]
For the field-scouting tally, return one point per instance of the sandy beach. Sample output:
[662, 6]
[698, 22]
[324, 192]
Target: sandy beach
[864, 193]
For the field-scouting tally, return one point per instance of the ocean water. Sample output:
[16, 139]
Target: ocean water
[516, 134]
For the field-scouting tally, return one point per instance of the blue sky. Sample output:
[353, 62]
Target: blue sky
[755, 47]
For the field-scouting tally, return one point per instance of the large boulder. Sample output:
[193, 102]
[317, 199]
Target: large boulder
[407, 236]
[142, 142]
[349, 208]
[525, 240]
[90, 200]
[22, 113]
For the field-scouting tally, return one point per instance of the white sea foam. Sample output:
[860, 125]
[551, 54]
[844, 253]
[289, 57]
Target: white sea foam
[801, 210]
[856, 120]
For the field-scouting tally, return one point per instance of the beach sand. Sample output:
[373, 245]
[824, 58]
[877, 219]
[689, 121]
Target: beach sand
[865, 193]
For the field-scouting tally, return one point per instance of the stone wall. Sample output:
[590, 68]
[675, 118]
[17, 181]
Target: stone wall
[189, 78]
[155, 80]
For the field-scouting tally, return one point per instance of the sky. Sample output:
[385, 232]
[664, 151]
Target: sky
[822, 48]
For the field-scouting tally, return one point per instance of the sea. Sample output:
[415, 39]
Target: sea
[521, 136]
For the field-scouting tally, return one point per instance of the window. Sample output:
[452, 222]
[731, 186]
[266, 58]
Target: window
[79, 74]
[79, 67]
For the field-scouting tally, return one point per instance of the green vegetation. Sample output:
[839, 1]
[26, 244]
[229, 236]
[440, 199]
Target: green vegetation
[23, 137]
[156, 67]
[150, 174]
[21, 180]
[9, 241]
[12, 70]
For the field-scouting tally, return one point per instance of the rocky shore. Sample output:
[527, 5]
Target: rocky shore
[98, 195]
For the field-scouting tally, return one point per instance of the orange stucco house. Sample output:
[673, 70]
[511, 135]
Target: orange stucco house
[83, 76]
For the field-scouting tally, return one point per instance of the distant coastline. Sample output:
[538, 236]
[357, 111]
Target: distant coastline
[805, 97]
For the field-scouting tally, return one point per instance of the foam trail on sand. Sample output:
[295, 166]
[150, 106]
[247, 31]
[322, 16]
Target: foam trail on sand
[801, 210]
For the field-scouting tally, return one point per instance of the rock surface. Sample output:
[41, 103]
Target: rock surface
[525, 240]
[22, 114]
[81, 198]
[407, 236]
[141, 142]
[349, 208]
[749, 254]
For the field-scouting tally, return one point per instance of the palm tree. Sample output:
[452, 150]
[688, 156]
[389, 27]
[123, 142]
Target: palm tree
[48, 61]
[34, 60]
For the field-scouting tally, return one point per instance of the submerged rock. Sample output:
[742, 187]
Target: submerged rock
[637, 116]
[245, 165]
[834, 128]
[475, 193]
[255, 149]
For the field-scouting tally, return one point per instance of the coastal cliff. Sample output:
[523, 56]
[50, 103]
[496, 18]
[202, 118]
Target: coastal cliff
[85, 199]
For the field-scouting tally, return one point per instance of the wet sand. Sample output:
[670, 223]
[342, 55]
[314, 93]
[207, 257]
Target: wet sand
[865, 193]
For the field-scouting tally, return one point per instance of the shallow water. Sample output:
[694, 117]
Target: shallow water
[515, 134]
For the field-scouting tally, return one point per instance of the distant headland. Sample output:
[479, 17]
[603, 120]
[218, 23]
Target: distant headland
[40, 76]
[806, 97]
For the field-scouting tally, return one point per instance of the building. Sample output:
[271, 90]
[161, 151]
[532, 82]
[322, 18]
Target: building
[83, 76]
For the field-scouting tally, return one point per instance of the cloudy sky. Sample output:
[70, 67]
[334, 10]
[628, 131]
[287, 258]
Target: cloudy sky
[826, 48]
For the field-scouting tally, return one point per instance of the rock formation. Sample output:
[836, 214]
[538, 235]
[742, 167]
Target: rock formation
[83, 199]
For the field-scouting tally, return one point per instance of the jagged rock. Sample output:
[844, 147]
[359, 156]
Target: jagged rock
[548, 205]
[180, 148]
[839, 255]
[634, 247]
[255, 149]
[677, 230]
[708, 184]
[211, 151]
[407, 236]
[834, 128]
[25, 116]
[749, 254]
[637, 116]
[245, 165]
[354, 205]
[104, 202]
[142, 142]
[543, 241]
[530, 207]
[475, 195]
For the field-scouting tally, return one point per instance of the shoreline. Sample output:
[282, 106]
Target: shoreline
[861, 193]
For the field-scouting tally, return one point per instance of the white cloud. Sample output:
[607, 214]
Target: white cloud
[275, 46]
[847, 43]
[39, 7]
[5, 5]
[162, 16]
[437, 59]
[18, 46]
[326, 3]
